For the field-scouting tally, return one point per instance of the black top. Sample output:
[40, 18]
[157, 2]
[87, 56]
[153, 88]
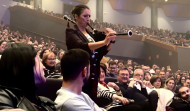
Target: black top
[76, 39]
[133, 93]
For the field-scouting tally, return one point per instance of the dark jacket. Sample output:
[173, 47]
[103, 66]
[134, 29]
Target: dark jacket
[76, 39]
[11, 98]
[133, 93]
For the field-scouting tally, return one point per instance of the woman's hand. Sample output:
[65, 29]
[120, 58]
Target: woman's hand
[125, 101]
[113, 85]
[110, 36]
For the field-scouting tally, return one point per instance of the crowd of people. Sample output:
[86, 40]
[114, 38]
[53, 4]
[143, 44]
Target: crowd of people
[164, 35]
[122, 85]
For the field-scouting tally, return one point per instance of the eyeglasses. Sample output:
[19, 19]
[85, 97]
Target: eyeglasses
[123, 74]
[51, 58]
[139, 75]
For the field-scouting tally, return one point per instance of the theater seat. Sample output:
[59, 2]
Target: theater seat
[50, 88]
[110, 79]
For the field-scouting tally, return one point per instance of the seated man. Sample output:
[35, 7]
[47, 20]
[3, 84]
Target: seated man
[75, 70]
[129, 89]
[182, 101]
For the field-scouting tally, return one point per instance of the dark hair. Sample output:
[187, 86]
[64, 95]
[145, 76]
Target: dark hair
[154, 78]
[78, 10]
[123, 68]
[42, 53]
[112, 63]
[16, 67]
[73, 62]
[103, 66]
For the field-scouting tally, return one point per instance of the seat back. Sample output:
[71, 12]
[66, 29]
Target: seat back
[50, 88]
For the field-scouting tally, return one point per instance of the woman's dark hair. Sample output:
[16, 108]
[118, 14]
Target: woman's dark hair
[42, 53]
[73, 62]
[78, 10]
[154, 78]
[16, 67]
[103, 66]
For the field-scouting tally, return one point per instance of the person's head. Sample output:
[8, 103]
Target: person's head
[120, 64]
[138, 74]
[147, 76]
[146, 68]
[21, 68]
[162, 75]
[123, 75]
[130, 68]
[157, 70]
[187, 82]
[81, 14]
[75, 64]
[184, 93]
[60, 54]
[155, 80]
[48, 59]
[102, 72]
[182, 79]
[43, 52]
[112, 67]
[185, 73]
[170, 84]
[2, 45]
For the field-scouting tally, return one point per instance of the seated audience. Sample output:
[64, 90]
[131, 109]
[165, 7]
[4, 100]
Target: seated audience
[111, 94]
[21, 73]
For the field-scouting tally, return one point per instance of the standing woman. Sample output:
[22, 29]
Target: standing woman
[97, 46]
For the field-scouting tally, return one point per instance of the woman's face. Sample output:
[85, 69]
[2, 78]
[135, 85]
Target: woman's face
[39, 71]
[170, 85]
[3, 46]
[157, 83]
[102, 75]
[61, 55]
[147, 77]
[83, 19]
[183, 80]
[50, 61]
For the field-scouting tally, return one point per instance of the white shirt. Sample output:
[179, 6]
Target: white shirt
[69, 101]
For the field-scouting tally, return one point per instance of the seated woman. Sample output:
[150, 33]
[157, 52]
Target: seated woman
[21, 73]
[112, 92]
[155, 80]
[48, 61]
[170, 84]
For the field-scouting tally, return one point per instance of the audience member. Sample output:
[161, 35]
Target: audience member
[112, 69]
[21, 73]
[170, 84]
[156, 82]
[182, 101]
[49, 62]
[76, 71]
